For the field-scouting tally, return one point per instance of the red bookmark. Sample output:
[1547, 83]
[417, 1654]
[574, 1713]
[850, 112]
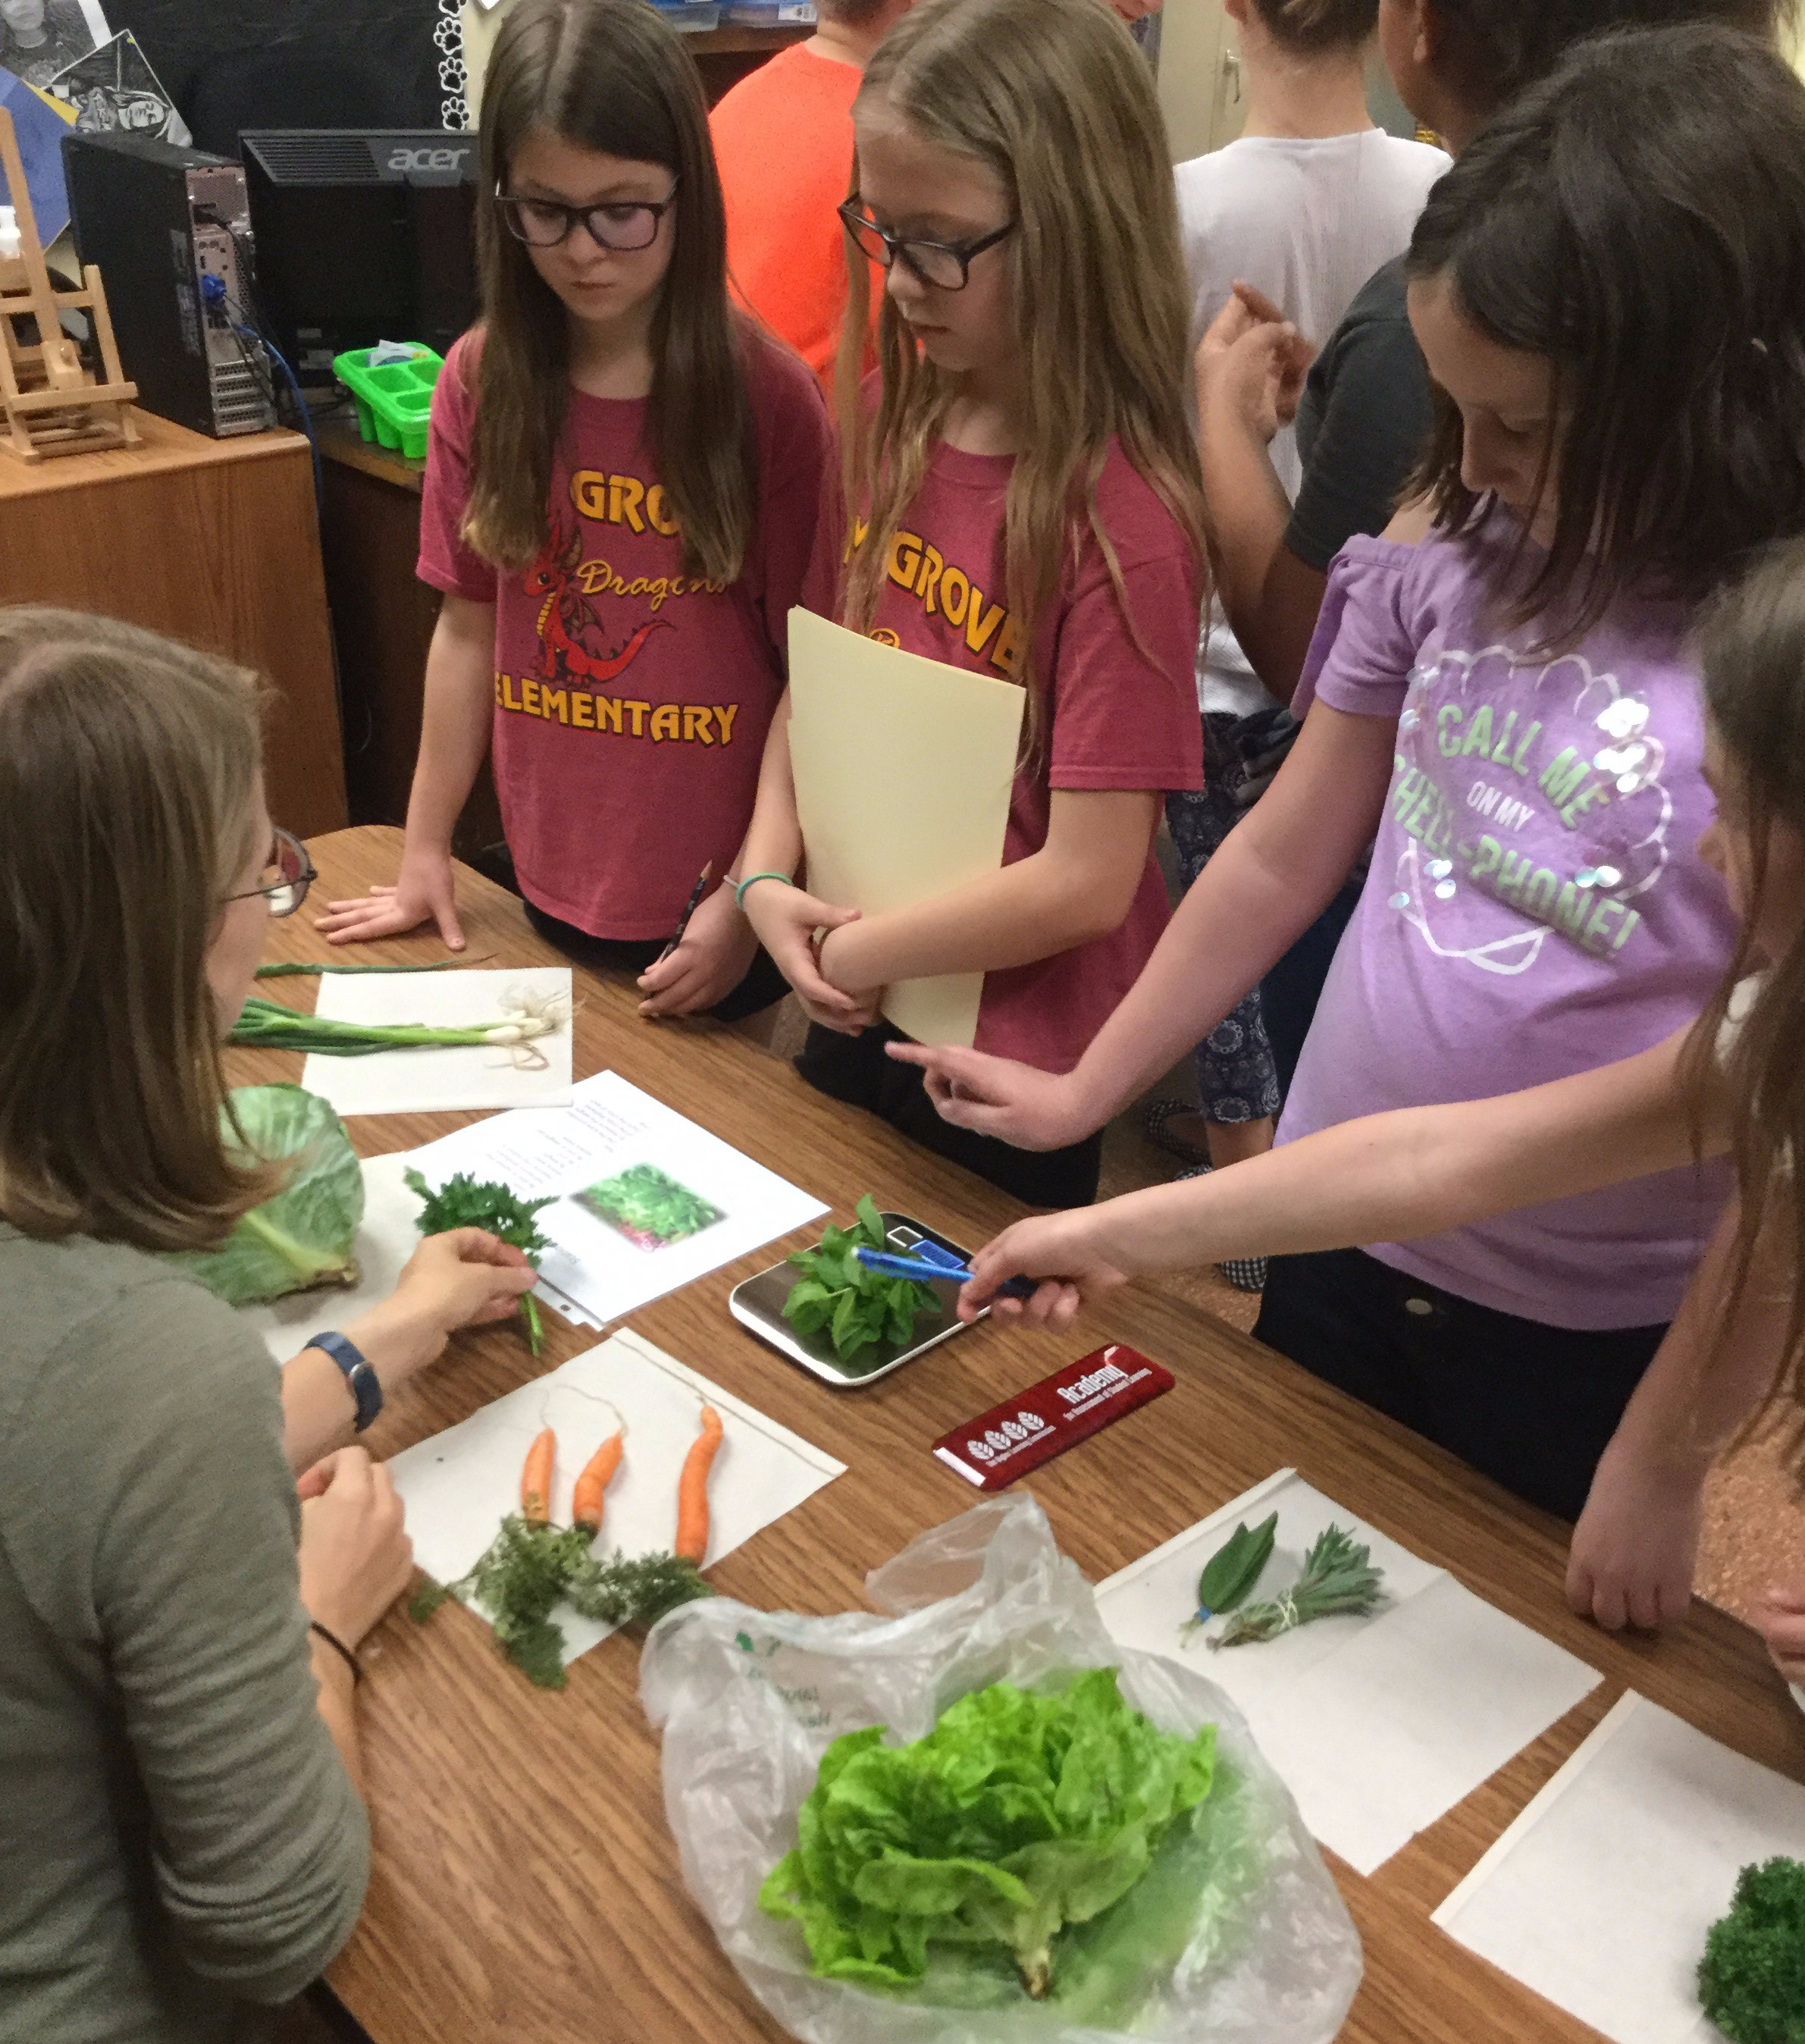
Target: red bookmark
[1028, 1429]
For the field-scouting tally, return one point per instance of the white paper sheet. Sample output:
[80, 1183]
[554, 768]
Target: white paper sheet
[459, 1485]
[610, 1128]
[1599, 1896]
[1378, 1725]
[444, 1079]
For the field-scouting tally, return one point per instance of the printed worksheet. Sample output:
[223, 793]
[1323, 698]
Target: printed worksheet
[643, 1201]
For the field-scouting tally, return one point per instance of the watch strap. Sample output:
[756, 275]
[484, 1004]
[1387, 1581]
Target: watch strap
[366, 1387]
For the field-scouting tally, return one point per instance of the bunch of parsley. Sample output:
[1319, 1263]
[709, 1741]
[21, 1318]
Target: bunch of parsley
[462, 1201]
[857, 1307]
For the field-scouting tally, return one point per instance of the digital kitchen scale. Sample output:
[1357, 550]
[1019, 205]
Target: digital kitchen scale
[757, 1303]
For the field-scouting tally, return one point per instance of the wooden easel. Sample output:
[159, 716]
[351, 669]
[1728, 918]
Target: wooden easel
[51, 404]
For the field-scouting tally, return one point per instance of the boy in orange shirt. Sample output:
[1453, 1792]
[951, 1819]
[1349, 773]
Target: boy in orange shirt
[783, 139]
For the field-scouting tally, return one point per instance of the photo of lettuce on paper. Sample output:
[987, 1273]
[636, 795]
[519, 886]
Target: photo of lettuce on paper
[649, 1207]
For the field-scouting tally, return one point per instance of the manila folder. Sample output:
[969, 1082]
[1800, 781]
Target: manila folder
[904, 767]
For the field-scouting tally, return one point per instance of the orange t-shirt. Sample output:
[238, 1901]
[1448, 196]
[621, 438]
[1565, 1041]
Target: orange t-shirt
[783, 139]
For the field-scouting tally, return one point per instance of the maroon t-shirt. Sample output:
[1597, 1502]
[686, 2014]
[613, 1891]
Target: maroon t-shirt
[631, 703]
[1118, 703]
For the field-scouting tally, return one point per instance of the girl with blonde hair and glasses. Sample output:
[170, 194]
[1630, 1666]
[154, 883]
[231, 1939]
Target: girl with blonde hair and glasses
[1021, 499]
[181, 1828]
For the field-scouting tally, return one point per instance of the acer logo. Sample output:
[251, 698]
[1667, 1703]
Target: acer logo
[426, 159]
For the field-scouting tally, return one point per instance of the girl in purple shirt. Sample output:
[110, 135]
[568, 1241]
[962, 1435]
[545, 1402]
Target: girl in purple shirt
[1604, 289]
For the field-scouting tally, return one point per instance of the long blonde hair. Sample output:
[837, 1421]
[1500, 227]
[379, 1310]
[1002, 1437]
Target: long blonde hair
[128, 768]
[1055, 100]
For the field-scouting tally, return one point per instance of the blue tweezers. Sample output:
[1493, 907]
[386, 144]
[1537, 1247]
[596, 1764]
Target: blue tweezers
[928, 1260]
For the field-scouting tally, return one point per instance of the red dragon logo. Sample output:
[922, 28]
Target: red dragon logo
[566, 615]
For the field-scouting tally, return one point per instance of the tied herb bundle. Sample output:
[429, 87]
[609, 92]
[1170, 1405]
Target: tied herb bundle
[857, 1307]
[463, 1201]
[1338, 1576]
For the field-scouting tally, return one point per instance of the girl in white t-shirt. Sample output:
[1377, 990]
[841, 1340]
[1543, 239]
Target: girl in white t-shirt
[1302, 210]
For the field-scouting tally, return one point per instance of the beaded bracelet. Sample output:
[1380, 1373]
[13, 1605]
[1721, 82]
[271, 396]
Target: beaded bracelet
[739, 891]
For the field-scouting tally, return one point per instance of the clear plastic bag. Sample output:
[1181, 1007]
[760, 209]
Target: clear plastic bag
[748, 1701]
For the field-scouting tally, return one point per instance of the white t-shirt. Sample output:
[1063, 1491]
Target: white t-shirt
[1307, 222]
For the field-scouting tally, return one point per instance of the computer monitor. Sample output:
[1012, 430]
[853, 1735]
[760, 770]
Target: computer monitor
[362, 235]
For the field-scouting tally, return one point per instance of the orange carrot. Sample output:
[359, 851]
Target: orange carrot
[598, 1471]
[692, 1491]
[536, 1479]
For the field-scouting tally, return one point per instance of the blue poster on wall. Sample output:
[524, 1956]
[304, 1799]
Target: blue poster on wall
[40, 126]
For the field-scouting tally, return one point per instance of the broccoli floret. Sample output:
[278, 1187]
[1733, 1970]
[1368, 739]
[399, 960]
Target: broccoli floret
[1752, 1978]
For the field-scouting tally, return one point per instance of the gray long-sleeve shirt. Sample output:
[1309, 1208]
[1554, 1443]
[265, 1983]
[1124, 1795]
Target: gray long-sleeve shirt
[179, 1838]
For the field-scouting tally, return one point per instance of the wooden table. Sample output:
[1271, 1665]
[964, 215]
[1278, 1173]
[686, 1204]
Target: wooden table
[526, 1888]
[216, 541]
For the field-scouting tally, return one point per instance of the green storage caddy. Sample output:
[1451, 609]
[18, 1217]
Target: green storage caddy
[394, 400]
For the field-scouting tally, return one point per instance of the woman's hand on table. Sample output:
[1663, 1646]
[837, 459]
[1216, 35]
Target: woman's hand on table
[424, 891]
[1065, 1251]
[715, 955]
[1018, 1104]
[356, 1555]
[463, 1278]
[1637, 1541]
[1780, 1615]
[785, 920]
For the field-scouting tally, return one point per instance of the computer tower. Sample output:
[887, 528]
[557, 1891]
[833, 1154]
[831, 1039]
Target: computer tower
[363, 235]
[158, 222]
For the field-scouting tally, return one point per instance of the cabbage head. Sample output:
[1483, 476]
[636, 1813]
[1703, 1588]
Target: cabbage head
[300, 1239]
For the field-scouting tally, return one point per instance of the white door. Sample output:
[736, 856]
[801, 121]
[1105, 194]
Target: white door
[1200, 77]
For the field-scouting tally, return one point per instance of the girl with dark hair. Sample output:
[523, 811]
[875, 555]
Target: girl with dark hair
[1732, 1082]
[1606, 287]
[621, 490]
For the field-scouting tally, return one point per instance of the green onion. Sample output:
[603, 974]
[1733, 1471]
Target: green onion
[292, 969]
[269, 1025]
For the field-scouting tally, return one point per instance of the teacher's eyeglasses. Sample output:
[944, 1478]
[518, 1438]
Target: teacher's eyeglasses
[288, 874]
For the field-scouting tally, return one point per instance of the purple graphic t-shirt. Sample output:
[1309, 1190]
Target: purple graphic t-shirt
[1536, 905]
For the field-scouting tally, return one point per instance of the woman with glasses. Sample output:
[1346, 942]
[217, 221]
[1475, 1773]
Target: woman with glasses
[621, 493]
[181, 1829]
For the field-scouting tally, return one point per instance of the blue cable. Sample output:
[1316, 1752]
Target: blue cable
[213, 292]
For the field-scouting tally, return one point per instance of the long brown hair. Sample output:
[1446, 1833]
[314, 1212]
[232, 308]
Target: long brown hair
[608, 75]
[1053, 97]
[128, 767]
[1751, 651]
[1639, 219]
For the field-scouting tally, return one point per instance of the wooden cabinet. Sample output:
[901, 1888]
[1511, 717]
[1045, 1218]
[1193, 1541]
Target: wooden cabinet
[216, 542]
[383, 616]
